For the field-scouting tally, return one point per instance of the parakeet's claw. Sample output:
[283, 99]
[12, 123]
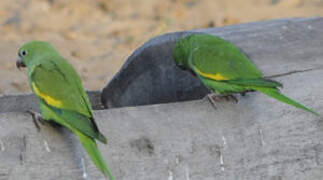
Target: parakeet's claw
[213, 97]
[231, 98]
[37, 118]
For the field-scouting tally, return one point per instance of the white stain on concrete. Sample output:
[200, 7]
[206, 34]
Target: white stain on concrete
[85, 174]
[2, 148]
[170, 175]
[262, 141]
[46, 146]
[187, 173]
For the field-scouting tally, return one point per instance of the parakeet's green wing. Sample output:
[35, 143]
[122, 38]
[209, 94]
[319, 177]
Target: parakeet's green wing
[58, 85]
[57, 79]
[222, 61]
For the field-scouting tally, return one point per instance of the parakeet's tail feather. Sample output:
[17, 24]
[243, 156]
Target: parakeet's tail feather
[260, 82]
[102, 138]
[99, 135]
[91, 148]
[274, 92]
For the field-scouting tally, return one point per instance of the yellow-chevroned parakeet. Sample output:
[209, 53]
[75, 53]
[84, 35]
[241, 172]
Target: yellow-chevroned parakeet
[61, 96]
[224, 68]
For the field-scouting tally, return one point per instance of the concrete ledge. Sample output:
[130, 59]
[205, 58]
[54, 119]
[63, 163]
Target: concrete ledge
[258, 138]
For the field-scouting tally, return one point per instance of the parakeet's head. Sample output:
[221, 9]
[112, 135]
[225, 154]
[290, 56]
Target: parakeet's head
[33, 51]
[180, 53]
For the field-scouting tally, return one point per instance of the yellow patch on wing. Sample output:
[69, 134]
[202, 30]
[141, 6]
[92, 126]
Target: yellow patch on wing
[49, 100]
[217, 76]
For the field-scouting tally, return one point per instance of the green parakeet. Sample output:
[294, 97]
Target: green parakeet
[61, 96]
[224, 68]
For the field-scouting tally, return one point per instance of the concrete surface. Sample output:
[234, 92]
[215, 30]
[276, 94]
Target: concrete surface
[149, 76]
[256, 139]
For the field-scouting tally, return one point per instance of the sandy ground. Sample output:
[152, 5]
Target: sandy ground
[97, 36]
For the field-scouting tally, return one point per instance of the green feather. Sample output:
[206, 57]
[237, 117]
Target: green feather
[87, 142]
[91, 148]
[79, 122]
[256, 82]
[273, 92]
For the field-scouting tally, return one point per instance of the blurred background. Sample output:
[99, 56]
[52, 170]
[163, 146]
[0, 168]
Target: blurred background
[97, 36]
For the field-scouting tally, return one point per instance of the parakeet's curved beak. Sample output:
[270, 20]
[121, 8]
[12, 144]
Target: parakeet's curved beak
[20, 63]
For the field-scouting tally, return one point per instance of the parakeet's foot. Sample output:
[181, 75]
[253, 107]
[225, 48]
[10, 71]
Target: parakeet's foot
[213, 97]
[231, 98]
[37, 118]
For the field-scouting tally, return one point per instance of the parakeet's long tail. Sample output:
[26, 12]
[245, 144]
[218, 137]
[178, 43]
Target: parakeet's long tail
[91, 147]
[273, 92]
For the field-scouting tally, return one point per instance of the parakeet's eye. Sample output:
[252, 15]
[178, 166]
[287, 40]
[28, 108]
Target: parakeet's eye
[23, 53]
